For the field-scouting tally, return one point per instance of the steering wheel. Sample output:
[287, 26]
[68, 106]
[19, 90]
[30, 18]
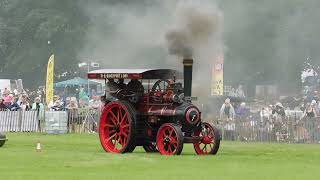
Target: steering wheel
[161, 85]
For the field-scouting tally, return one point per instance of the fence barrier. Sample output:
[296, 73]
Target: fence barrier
[82, 120]
[18, 121]
[290, 129]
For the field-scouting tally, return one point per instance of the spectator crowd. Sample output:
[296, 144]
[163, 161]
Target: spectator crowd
[34, 100]
[297, 115]
[13, 100]
[278, 119]
[81, 110]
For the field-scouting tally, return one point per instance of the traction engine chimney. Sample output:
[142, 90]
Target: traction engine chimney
[187, 75]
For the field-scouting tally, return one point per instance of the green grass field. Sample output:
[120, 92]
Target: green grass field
[81, 157]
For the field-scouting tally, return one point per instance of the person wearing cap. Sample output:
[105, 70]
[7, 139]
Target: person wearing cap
[227, 116]
[242, 111]
[227, 110]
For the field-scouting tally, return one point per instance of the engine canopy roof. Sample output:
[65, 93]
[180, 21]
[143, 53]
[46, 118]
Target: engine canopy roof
[135, 74]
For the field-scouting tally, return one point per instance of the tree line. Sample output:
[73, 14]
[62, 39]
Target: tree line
[265, 40]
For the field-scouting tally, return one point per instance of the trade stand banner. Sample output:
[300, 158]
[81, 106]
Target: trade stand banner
[49, 82]
[217, 77]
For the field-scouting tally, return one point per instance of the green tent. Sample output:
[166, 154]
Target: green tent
[77, 81]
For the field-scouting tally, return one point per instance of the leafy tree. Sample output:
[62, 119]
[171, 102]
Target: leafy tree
[266, 40]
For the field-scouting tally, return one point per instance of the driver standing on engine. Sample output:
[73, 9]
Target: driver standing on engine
[111, 89]
[136, 86]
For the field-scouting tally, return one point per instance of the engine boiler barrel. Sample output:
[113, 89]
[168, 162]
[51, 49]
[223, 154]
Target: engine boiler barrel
[185, 111]
[163, 110]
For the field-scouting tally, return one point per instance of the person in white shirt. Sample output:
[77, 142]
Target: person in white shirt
[56, 104]
[24, 104]
[227, 115]
[95, 102]
[51, 104]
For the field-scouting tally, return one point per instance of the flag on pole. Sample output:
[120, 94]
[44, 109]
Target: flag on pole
[217, 77]
[49, 82]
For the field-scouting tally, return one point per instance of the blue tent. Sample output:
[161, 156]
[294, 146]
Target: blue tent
[77, 81]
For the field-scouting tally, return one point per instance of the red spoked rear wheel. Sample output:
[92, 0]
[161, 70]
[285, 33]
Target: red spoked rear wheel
[210, 140]
[116, 127]
[170, 139]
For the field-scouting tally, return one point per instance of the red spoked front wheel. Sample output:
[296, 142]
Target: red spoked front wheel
[170, 139]
[210, 142]
[117, 127]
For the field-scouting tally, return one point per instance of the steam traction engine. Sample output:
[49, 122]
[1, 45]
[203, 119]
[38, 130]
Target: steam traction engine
[154, 111]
